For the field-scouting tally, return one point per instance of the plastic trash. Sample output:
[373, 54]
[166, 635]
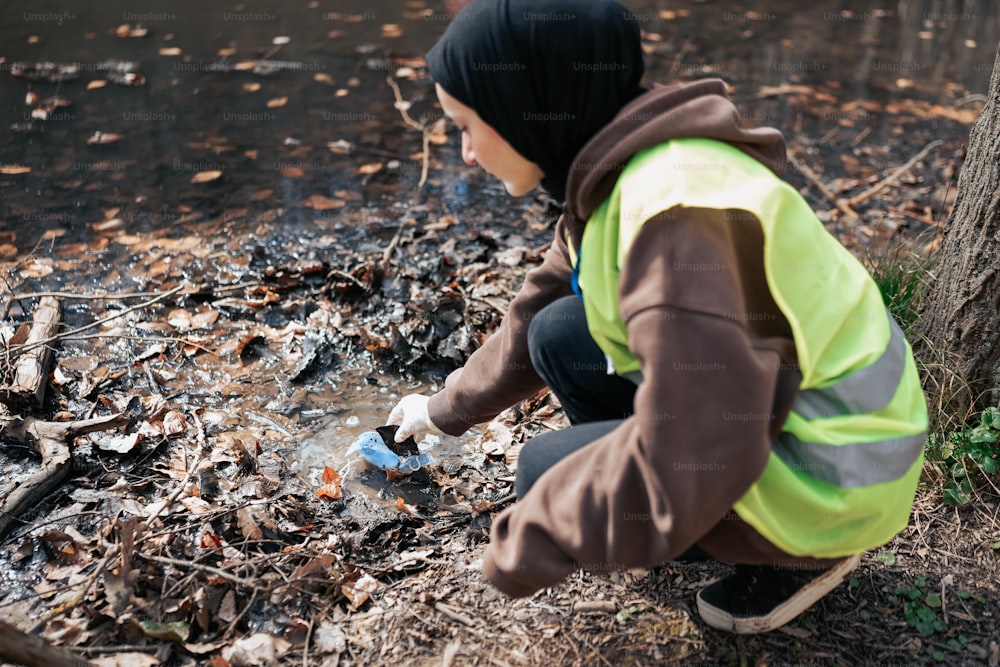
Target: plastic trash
[373, 449]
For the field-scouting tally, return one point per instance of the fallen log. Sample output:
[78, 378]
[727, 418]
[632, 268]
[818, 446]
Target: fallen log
[33, 651]
[31, 367]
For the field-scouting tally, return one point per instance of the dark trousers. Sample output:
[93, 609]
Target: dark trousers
[575, 369]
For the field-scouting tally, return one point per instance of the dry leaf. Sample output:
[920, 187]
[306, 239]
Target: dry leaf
[180, 319]
[258, 649]
[37, 267]
[206, 176]
[402, 506]
[14, 169]
[174, 423]
[102, 138]
[121, 444]
[357, 592]
[248, 525]
[331, 485]
[390, 30]
[321, 203]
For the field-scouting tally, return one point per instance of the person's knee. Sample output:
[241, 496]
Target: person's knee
[552, 331]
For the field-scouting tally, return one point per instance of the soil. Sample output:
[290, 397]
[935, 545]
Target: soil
[249, 332]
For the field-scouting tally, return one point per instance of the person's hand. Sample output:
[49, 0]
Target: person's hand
[411, 415]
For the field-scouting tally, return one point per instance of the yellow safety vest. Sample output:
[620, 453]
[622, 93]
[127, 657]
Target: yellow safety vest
[842, 475]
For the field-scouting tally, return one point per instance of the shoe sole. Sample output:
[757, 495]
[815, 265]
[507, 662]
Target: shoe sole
[784, 612]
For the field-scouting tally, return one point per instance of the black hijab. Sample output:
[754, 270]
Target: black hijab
[545, 74]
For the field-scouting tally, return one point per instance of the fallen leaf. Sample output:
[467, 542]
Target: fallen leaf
[257, 649]
[174, 423]
[122, 444]
[321, 203]
[248, 525]
[206, 176]
[180, 319]
[358, 591]
[126, 30]
[11, 169]
[175, 631]
[402, 506]
[366, 169]
[331, 487]
[96, 83]
[102, 138]
[330, 638]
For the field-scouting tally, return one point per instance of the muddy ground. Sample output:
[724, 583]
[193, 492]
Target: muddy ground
[249, 328]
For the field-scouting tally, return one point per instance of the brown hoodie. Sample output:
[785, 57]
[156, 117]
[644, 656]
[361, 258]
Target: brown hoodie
[716, 354]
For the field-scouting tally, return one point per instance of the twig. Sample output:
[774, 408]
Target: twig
[163, 560]
[387, 253]
[825, 191]
[454, 615]
[894, 176]
[113, 296]
[72, 332]
[402, 105]
[305, 647]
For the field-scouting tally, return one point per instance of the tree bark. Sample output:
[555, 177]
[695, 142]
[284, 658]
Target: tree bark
[958, 326]
[31, 650]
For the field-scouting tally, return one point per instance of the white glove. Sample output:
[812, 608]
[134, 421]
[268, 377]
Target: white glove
[411, 415]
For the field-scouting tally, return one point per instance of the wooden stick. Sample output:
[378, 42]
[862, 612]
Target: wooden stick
[32, 368]
[408, 119]
[894, 176]
[72, 332]
[821, 186]
[51, 441]
[24, 649]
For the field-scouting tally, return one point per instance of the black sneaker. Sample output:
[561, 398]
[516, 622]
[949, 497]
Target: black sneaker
[760, 598]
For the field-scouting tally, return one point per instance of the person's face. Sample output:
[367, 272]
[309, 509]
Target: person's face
[483, 146]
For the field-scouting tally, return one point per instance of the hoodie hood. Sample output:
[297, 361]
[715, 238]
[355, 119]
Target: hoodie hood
[700, 109]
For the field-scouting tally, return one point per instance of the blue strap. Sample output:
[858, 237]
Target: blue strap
[574, 279]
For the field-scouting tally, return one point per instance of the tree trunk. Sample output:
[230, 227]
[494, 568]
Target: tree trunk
[958, 325]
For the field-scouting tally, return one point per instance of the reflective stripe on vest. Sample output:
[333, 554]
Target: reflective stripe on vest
[841, 477]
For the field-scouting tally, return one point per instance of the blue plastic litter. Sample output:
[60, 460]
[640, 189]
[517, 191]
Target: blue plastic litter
[373, 449]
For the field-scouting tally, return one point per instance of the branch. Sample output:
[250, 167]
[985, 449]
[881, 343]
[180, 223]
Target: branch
[24, 649]
[894, 176]
[403, 105]
[826, 192]
[72, 332]
[50, 440]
